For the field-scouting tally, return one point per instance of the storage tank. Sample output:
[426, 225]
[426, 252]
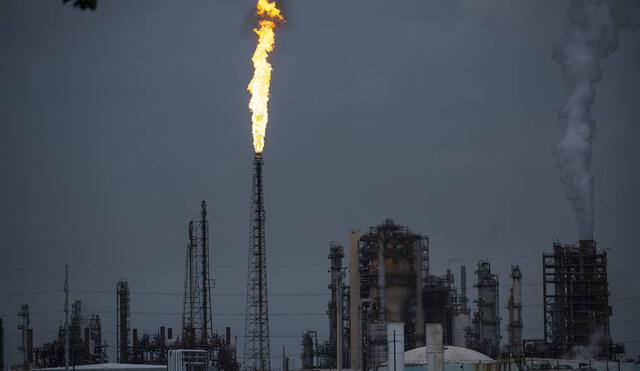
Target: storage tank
[460, 322]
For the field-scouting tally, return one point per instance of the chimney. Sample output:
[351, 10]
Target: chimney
[86, 339]
[435, 352]
[29, 349]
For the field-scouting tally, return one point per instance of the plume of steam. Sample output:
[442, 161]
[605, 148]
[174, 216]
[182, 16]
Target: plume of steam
[593, 350]
[592, 34]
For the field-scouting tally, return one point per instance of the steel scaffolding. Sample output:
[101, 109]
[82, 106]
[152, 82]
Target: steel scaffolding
[256, 331]
[576, 298]
[197, 327]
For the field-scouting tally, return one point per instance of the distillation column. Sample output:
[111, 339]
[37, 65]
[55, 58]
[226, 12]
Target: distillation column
[123, 310]
[514, 328]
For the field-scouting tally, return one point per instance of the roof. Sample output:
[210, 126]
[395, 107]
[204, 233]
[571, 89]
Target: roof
[452, 354]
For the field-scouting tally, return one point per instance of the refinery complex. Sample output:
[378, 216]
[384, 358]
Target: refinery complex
[386, 309]
[389, 307]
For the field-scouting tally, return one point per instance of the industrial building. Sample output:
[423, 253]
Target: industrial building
[142, 348]
[85, 341]
[391, 292]
[576, 299]
[576, 305]
[392, 266]
[197, 328]
[576, 296]
[386, 309]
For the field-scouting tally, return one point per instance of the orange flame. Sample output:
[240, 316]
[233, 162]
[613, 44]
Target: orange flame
[270, 16]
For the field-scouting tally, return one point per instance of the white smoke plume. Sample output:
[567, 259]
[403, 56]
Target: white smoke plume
[593, 350]
[592, 34]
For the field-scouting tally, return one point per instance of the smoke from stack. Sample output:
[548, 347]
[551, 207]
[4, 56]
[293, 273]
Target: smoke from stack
[592, 34]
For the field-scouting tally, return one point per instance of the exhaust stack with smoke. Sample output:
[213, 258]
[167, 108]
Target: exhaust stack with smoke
[592, 34]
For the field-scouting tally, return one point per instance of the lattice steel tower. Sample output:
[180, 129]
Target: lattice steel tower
[256, 327]
[197, 328]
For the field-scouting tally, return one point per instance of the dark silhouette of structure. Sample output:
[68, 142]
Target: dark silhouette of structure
[514, 305]
[123, 312]
[576, 298]
[256, 331]
[393, 267]
[337, 346]
[197, 328]
[26, 336]
[486, 320]
[85, 342]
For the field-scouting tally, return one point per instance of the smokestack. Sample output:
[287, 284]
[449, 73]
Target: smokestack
[435, 350]
[162, 337]
[86, 340]
[30, 346]
[592, 34]
[463, 288]
[228, 335]
[354, 299]
[420, 279]
[122, 304]
[514, 328]
[134, 335]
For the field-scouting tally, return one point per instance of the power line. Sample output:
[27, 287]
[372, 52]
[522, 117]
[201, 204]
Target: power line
[295, 314]
[161, 293]
[32, 312]
[16, 335]
[29, 293]
[230, 314]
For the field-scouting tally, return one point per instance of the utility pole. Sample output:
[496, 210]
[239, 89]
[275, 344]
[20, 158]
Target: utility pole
[66, 321]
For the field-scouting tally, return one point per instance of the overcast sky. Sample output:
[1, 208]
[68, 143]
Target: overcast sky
[442, 115]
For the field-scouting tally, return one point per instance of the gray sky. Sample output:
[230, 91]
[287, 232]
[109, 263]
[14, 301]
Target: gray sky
[441, 115]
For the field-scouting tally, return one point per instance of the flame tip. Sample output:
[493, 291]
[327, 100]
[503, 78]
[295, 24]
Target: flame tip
[270, 16]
